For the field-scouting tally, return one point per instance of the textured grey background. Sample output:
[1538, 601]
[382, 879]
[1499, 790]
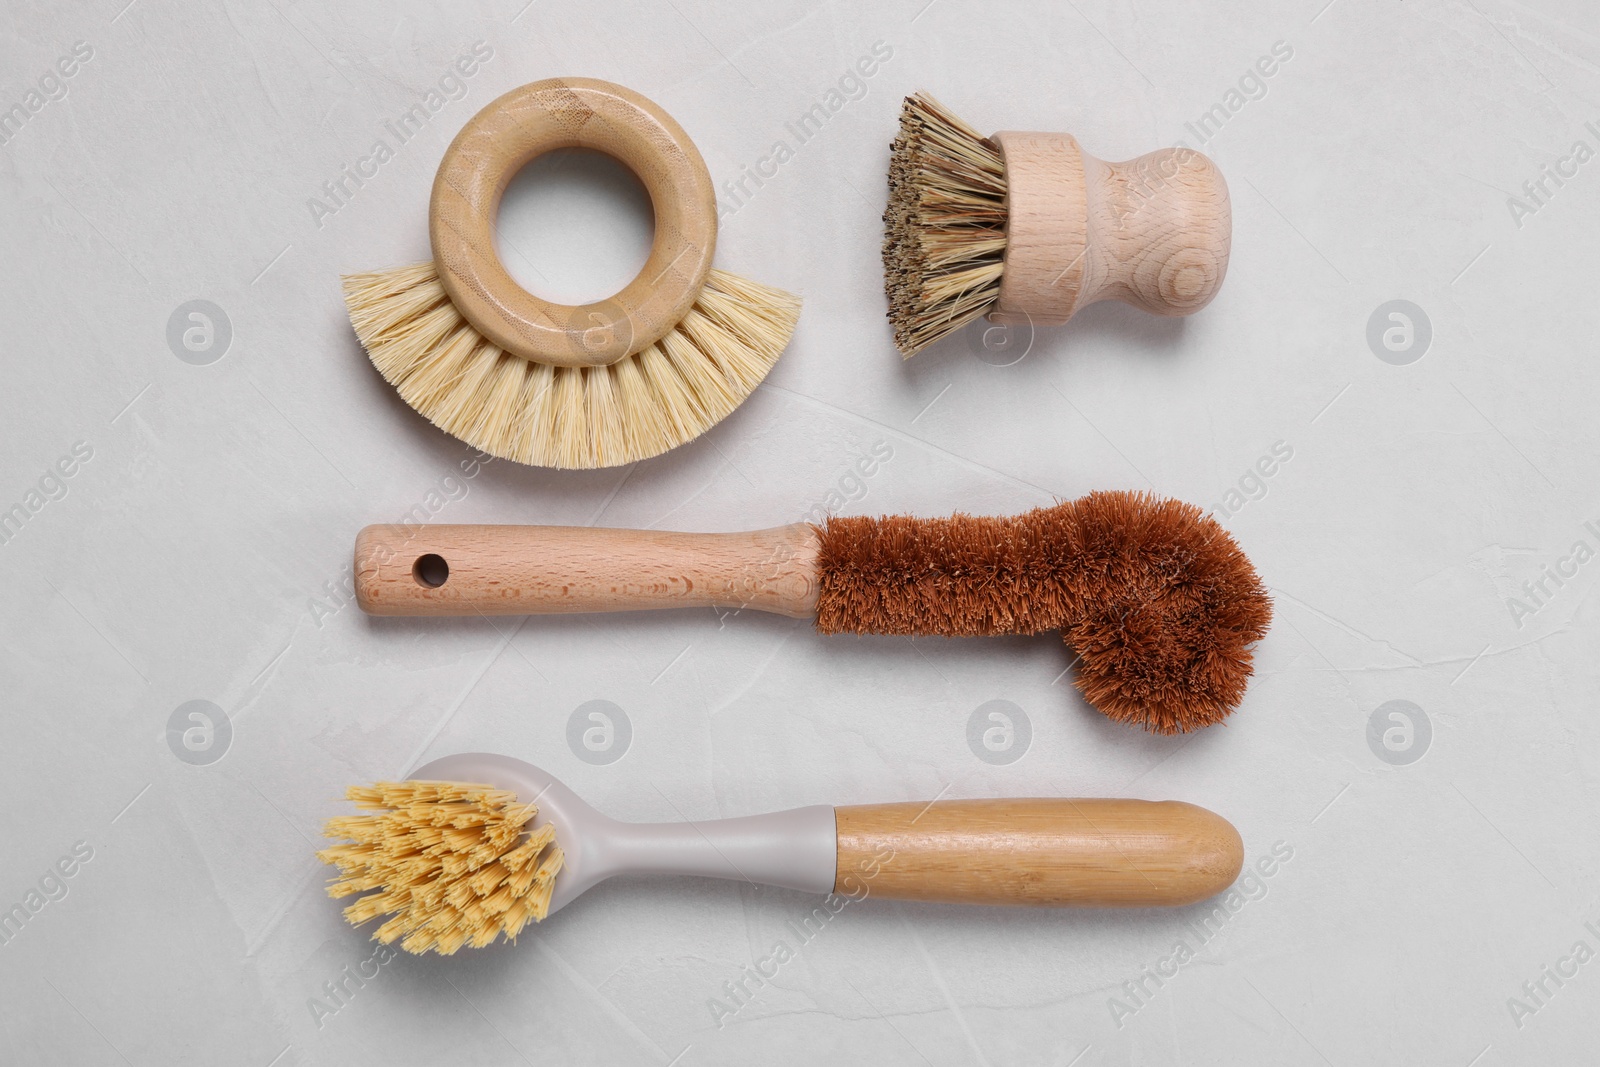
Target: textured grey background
[190, 556]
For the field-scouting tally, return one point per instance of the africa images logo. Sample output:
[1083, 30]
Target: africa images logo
[397, 132]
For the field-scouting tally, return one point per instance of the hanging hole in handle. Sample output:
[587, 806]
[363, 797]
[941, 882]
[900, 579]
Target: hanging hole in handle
[431, 571]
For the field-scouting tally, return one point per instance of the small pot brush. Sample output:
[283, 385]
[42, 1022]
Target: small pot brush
[1158, 601]
[575, 386]
[452, 861]
[1028, 228]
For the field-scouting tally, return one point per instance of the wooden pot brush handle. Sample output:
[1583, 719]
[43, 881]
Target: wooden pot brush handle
[477, 845]
[1029, 228]
[1156, 598]
[1153, 232]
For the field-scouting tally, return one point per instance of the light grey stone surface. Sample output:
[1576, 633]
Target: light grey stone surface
[214, 496]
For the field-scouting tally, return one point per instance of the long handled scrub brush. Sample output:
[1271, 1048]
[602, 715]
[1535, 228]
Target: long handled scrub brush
[449, 860]
[593, 385]
[1159, 603]
[1027, 228]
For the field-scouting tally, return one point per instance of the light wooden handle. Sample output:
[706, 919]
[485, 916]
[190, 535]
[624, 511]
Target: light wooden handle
[1154, 232]
[545, 570]
[1094, 853]
[572, 113]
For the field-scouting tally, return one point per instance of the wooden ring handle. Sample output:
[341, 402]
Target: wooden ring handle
[572, 113]
[1153, 232]
[1090, 853]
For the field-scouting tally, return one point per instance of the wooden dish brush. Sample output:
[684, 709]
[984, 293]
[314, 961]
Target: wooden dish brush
[1155, 597]
[553, 385]
[1029, 228]
[450, 860]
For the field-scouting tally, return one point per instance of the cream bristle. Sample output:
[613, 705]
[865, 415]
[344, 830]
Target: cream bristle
[567, 449]
[571, 417]
[945, 227]
[454, 863]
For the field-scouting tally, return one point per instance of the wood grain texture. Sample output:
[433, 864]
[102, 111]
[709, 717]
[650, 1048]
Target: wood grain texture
[572, 113]
[544, 570]
[1154, 232]
[1054, 852]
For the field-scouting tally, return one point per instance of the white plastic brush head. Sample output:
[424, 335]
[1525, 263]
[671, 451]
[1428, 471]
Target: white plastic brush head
[578, 826]
[476, 845]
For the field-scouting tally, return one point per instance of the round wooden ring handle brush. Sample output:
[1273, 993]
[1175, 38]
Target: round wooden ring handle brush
[1029, 228]
[561, 385]
[477, 845]
[1155, 597]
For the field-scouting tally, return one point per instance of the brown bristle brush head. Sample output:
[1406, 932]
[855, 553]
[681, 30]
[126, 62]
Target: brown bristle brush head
[1159, 603]
[1027, 228]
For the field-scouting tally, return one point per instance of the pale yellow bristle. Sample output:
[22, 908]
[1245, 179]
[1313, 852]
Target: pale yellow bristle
[945, 227]
[453, 863]
[570, 417]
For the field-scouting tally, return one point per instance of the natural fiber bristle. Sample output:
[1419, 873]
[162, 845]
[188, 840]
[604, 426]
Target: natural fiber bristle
[945, 227]
[453, 863]
[570, 417]
[1159, 602]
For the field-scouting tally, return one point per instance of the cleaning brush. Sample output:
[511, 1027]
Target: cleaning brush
[454, 862]
[1028, 228]
[595, 385]
[443, 849]
[1158, 601]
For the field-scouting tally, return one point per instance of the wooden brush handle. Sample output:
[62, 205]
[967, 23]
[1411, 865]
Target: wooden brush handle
[546, 570]
[1153, 232]
[1096, 853]
[572, 113]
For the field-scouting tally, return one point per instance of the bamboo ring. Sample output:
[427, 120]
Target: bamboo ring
[572, 113]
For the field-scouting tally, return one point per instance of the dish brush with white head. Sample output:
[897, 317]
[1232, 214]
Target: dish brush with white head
[456, 865]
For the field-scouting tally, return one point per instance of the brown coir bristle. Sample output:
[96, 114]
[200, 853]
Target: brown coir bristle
[1158, 601]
